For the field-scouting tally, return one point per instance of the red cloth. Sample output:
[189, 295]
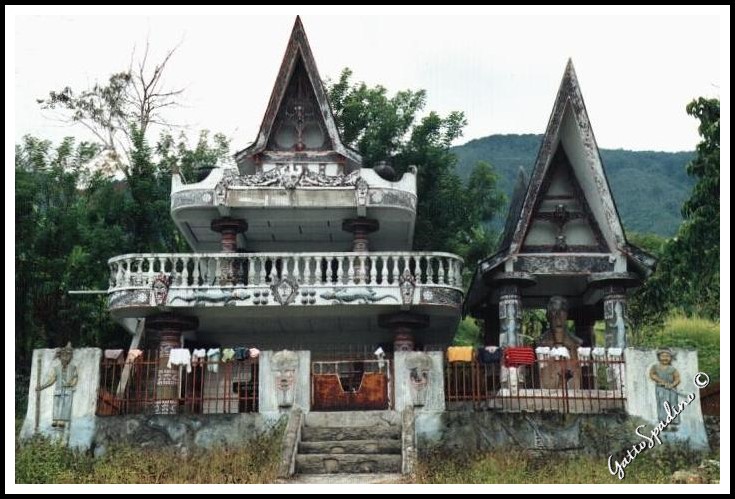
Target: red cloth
[519, 356]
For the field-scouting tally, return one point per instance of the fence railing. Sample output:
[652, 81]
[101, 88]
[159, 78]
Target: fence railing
[259, 269]
[207, 387]
[565, 385]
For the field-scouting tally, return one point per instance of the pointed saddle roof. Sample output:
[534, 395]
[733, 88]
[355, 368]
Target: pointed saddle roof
[568, 152]
[298, 98]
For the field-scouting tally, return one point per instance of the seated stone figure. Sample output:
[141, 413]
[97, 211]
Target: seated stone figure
[559, 373]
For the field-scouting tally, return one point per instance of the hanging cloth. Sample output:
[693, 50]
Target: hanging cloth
[198, 356]
[519, 356]
[460, 354]
[180, 357]
[490, 355]
[213, 358]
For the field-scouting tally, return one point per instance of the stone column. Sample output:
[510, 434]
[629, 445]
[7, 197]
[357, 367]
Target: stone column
[510, 308]
[615, 306]
[613, 286]
[167, 329]
[229, 228]
[510, 314]
[404, 325]
[360, 228]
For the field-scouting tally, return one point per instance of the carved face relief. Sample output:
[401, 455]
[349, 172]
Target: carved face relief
[284, 366]
[361, 192]
[160, 289]
[290, 175]
[419, 374]
[285, 290]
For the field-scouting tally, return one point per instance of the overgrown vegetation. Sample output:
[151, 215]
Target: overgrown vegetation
[688, 275]
[518, 467]
[42, 461]
[680, 331]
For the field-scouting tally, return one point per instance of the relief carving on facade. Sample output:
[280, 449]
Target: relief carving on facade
[284, 366]
[419, 369]
[407, 283]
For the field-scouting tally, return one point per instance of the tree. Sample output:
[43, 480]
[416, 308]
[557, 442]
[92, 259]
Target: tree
[130, 103]
[450, 216]
[688, 273]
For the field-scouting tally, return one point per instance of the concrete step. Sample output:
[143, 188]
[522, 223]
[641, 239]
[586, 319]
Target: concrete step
[357, 478]
[352, 418]
[348, 463]
[384, 446]
[322, 434]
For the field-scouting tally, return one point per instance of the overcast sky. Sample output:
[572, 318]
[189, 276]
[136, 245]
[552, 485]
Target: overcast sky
[637, 73]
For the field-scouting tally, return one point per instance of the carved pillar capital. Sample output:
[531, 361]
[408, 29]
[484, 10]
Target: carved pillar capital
[404, 325]
[229, 228]
[360, 228]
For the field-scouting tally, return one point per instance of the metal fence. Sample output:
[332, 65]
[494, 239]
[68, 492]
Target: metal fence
[566, 386]
[351, 385]
[145, 386]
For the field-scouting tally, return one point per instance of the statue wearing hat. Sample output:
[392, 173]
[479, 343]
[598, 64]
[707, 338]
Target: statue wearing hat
[64, 377]
[667, 379]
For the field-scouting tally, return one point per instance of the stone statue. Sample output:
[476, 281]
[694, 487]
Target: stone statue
[64, 376]
[553, 374]
[667, 379]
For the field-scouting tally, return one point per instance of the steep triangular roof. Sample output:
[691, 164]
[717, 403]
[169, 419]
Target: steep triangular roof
[569, 127]
[298, 60]
[568, 130]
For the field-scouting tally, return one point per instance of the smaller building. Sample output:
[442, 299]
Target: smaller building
[563, 237]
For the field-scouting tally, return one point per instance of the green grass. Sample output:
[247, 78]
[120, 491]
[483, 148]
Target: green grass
[680, 331]
[42, 461]
[517, 467]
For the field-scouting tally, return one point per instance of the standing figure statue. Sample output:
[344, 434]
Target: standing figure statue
[667, 379]
[64, 376]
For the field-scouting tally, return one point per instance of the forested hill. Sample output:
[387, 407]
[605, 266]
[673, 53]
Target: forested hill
[649, 187]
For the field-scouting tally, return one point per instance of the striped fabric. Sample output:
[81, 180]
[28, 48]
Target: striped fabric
[519, 356]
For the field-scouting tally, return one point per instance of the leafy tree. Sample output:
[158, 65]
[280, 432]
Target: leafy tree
[688, 274]
[450, 215]
[70, 221]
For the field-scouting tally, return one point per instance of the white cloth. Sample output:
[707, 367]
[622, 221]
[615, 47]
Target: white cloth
[560, 353]
[614, 352]
[179, 357]
[584, 353]
[254, 353]
[213, 358]
[598, 352]
[113, 354]
[542, 352]
[198, 355]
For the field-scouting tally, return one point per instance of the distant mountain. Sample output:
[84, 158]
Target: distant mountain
[649, 186]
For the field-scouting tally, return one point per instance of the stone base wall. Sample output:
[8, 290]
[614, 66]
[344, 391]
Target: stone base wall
[185, 432]
[467, 432]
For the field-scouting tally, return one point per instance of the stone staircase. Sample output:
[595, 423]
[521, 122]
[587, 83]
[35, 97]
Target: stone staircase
[350, 442]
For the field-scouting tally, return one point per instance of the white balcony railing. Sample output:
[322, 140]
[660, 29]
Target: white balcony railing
[207, 270]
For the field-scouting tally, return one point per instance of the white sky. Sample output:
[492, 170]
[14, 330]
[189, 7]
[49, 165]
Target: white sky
[637, 73]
